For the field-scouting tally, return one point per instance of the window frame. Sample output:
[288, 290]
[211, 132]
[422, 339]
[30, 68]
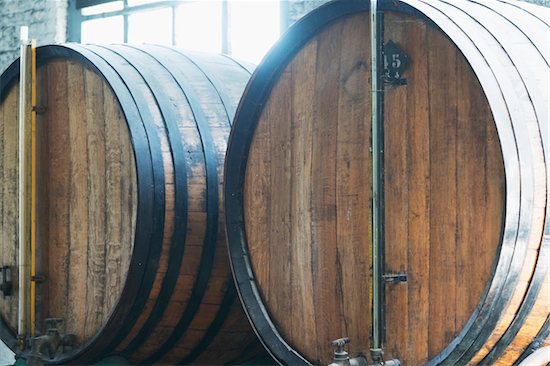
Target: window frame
[75, 17]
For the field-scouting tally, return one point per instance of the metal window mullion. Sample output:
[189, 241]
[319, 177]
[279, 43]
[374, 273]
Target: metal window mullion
[125, 20]
[226, 44]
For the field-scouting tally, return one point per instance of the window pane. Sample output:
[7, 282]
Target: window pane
[198, 26]
[103, 8]
[103, 30]
[141, 2]
[154, 26]
[253, 28]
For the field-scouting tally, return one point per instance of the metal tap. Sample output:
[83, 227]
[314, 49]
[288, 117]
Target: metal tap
[341, 357]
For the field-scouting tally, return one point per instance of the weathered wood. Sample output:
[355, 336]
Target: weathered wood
[59, 177]
[78, 208]
[8, 232]
[464, 186]
[301, 281]
[396, 194]
[443, 190]
[135, 258]
[318, 166]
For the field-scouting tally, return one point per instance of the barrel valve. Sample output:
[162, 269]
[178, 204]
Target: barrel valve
[341, 357]
[48, 344]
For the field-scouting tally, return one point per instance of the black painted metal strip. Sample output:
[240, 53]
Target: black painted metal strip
[528, 8]
[214, 328]
[8, 78]
[149, 69]
[252, 102]
[212, 204]
[209, 74]
[246, 66]
[229, 296]
[134, 84]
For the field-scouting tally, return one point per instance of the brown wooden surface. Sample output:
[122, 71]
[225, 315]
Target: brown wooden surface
[8, 203]
[76, 181]
[307, 194]
[451, 161]
[92, 189]
[88, 201]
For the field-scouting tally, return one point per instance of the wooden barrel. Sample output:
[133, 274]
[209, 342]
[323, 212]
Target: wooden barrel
[130, 239]
[466, 226]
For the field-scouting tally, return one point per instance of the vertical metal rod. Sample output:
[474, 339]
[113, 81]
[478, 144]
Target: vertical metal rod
[376, 179]
[125, 21]
[25, 207]
[173, 35]
[226, 43]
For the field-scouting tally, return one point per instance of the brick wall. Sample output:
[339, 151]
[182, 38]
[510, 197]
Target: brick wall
[47, 21]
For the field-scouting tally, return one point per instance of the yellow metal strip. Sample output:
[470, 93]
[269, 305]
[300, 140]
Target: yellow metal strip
[33, 185]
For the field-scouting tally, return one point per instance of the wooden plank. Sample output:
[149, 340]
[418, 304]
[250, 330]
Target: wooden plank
[42, 196]
[278, 111]
[419, 188]
[78, 204]
[471, 156]
[325, 263]
[443, 196]
[396, 196]
[95, 285]
[128, 196]
[302, 68]
[258, 205]
[59, 178]
[8, 232]
[354, 183]
[116, 140]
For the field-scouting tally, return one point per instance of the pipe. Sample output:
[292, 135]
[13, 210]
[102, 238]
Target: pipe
[24, 224]
[376, 186]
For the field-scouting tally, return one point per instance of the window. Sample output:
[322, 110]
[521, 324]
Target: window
[245, 29]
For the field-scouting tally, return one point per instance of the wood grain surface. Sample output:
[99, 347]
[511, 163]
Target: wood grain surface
[89, 198]
[92, 190]
[307, 194]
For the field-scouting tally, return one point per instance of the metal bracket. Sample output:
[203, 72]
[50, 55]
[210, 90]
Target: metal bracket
[396, 63]
[7, 284]
[38, 278]
[38, 109]
[392, 278]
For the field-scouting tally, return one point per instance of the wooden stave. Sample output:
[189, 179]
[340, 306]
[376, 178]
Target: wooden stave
[256, 94]
[106, 339]
[489, 317]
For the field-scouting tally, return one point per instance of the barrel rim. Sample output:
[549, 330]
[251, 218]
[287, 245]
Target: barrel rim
[144, 179]
[255, 96]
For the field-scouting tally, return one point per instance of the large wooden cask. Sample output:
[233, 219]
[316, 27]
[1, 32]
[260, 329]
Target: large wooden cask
[466, 226]
[130, 239]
